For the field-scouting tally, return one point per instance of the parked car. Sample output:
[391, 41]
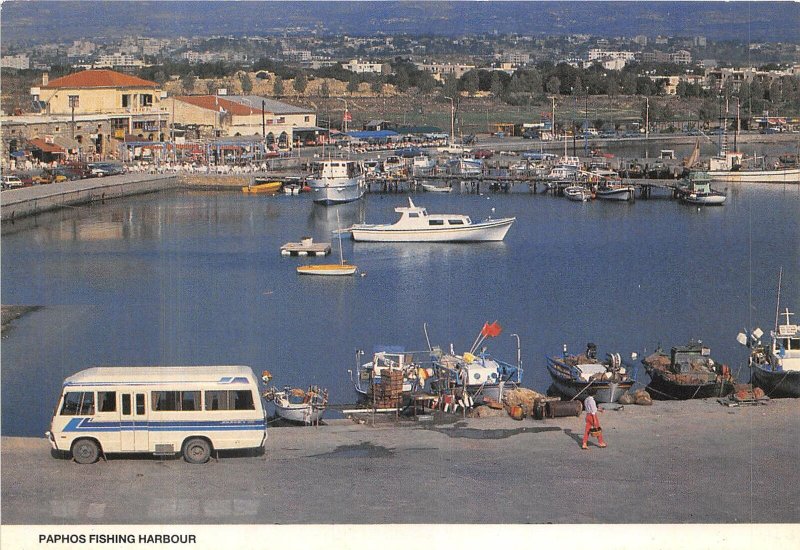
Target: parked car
[100, 169]
[12, 182]
[483, 153]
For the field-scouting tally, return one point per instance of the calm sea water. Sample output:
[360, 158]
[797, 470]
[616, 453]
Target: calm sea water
[196, 278]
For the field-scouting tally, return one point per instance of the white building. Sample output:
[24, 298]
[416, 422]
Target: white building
[118, 60]
[361, 67]
[441, 70]
[596, 54]
[19, 61]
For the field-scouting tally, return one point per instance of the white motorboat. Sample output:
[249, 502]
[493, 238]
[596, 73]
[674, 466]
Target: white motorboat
[297, 405]
[436, 189]
[697, 190]
[465, 166]
[416, 225]
[389, 363]
[577, 193]
[337, 181]
[616, 192]
[729, 168]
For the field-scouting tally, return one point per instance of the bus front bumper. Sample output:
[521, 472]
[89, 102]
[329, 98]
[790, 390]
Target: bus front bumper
[51, 438]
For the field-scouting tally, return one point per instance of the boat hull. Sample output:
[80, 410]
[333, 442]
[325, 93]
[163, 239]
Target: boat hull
[330, 191]
[494, 230]
[603, 391]
[302, 413]
[620, 195]
[756, 176]
[776, 383]
[663, 388]
[327, 269]
[435, 189]
[705, 200]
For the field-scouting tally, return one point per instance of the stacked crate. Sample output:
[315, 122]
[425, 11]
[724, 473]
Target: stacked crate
[388, 393]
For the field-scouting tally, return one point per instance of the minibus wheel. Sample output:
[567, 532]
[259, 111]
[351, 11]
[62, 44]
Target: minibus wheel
[85, 451]
[196, 451]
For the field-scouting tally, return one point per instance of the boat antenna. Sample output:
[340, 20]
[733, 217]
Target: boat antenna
[425, 330]
[778, 304]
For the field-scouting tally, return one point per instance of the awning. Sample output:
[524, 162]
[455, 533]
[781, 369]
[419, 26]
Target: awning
[45, 147]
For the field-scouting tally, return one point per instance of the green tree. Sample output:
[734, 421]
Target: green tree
[376, 87]
[188, 82]
[450, 88]
[300, 82]
[277, 86]
[211, 87]
[612, 86]
[496, 86]
[352, 86]
[325, 89]
[402, 80]
[470, 82]
[247, 84]
[426, 83]
[554, 85]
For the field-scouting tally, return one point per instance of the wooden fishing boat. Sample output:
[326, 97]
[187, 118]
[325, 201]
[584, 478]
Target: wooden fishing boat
[298, 405]
[263, 187]
[688, 372]
[584, 375]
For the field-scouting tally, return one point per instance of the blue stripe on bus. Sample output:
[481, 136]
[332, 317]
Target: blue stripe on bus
[89, 425]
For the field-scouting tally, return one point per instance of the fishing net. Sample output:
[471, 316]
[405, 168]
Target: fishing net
[626, 399]
[641, 397]
[521, 397]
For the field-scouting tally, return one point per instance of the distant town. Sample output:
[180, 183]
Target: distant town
[91, 97]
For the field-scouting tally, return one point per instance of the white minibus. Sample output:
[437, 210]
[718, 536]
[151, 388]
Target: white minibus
[162, 410]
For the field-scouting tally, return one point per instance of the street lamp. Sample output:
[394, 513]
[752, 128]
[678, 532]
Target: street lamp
[346, 114]
[263, 119]
[646, 126]
[452, 118]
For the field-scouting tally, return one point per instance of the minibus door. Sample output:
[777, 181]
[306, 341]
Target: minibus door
[133, 416]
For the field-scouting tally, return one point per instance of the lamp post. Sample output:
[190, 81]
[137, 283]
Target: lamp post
[452, 118]
[646, 126]
[263, 119]
[346, 114]
[553, 120]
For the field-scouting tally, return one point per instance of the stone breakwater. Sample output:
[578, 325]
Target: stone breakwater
[20, 203]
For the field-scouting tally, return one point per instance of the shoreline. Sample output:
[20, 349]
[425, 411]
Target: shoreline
[691, 462]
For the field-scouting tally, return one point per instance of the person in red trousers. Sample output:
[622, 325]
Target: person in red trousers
[592, 423]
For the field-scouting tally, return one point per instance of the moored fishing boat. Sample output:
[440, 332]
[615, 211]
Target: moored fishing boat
[436, 189]
[476, 372]
[298, 405]
[584, 375]
[261, 186]
[610, 191]
[577, 193]
[775, 368]
[416, 225]
[389, 378]
[688, 372]
[729, 168]
[697, 190]
[337, 181]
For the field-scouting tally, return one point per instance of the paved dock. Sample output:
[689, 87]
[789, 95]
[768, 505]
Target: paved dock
[673, 462]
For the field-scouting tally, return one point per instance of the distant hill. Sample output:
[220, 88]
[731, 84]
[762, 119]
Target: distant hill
[41, 21]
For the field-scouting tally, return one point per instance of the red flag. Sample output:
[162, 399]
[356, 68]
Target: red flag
[347, 117]
[491, 330]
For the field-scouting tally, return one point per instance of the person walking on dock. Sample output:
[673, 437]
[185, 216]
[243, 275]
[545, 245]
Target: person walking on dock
[592, 423]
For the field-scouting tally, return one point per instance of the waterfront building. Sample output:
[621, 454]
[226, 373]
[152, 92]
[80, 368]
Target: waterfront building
[441, 70]
[222, 115]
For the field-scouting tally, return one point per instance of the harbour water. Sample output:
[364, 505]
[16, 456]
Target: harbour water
[187, 278]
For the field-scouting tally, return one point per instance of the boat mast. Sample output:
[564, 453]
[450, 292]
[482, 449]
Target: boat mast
[339, 231]
[778, 304]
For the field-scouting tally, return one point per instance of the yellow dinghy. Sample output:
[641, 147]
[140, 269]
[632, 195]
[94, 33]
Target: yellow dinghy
[327, 269]
[267, 187]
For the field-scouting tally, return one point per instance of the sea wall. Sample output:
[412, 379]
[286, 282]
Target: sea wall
[19, 203]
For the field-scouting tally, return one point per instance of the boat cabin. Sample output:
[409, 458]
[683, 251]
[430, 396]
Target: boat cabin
[699, 182]
[337, 169]
[415, 217]
[691, 358]
[786, 344]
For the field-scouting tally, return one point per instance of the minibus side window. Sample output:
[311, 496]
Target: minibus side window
[106, 401]
[139, 403]
[126, 404]
[78, 403]
[175, 400]
[243, 400]
[229, 400]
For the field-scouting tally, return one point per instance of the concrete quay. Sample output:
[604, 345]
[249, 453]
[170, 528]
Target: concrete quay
[27, 201]
[688, 462]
